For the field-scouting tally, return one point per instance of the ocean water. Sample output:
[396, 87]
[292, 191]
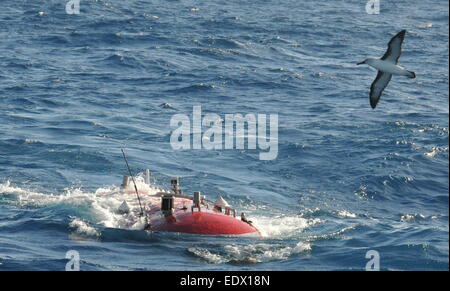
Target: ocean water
[74, 89]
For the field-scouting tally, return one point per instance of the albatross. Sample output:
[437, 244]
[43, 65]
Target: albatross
[387, 66]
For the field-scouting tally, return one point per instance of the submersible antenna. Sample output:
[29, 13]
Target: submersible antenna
[134, 182]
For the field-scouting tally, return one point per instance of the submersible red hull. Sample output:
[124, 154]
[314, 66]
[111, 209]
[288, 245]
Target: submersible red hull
[173, 211]
[202, 222]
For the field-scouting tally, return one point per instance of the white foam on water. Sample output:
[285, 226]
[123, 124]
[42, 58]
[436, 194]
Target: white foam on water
[424, 25]
[435, 151]
[250, 253]
[83, 228]
[208, 256]
[282, 226]
[412, 217]
[103, 203]
[345, 214]
[278, 227]
[332, 235]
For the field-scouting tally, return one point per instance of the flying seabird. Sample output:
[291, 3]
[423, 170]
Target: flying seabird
[387, 66]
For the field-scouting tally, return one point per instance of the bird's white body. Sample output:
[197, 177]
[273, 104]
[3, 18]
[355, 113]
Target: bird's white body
[388, 67]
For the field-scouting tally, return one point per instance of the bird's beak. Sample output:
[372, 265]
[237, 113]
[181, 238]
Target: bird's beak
[361, 63]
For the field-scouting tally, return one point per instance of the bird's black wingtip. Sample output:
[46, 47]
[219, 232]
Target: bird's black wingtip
[373, 104]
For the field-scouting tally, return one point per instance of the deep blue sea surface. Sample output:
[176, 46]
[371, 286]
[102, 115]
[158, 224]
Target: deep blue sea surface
[74, 89]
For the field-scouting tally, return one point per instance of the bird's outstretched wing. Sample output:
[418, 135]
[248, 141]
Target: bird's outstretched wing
[394, 50]
[381, 81]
